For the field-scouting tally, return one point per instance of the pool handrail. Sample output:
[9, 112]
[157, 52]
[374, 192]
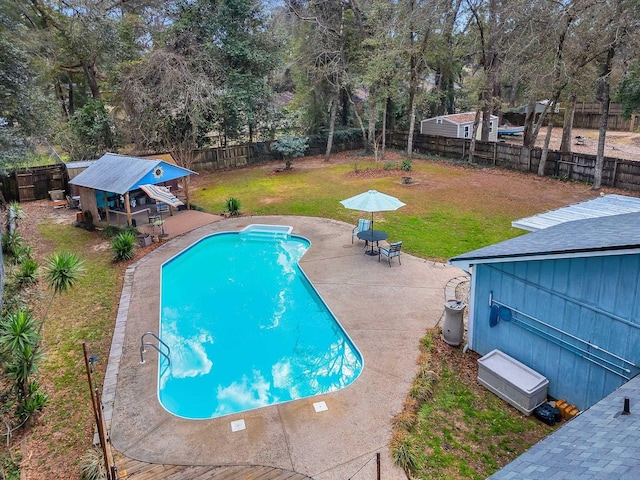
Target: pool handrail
[143, 350]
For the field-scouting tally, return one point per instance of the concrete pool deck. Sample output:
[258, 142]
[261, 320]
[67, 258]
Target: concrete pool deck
[384, 310]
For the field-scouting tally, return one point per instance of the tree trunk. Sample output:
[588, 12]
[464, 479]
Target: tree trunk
[412, 126]
[545, 149]
[332, 125]
[567, 126]
[472, 146]
[384, 128]
[72, 102]
[92, 80]
[61, 99]
[514, 93]
[604, 119]
[365, 137]
[372, 122]
[529, 118]
[486, 118]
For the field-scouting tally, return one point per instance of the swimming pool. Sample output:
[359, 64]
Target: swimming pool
[246, 328]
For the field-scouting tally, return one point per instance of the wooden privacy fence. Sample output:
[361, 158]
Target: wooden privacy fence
[34, 183]
[578, 167]
[223, 158]
[587, 115]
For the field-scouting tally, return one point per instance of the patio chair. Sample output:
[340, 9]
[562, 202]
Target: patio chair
[393, 250]
[361, 227]
[72, 202]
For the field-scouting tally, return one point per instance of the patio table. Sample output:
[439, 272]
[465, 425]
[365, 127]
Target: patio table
[370, 236]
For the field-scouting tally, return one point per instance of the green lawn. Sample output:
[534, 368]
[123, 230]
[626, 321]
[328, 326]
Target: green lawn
[449, 210]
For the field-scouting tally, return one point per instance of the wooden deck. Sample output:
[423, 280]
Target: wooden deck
[129, 469]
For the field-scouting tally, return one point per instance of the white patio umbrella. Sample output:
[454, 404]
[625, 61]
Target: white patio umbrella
[373, 201]
[164, 195]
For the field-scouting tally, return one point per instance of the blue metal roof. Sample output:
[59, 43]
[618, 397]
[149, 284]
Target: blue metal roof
[579, 237]
[121, 173]
[603, 206]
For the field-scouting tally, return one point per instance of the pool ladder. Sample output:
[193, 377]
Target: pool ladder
[143, 344]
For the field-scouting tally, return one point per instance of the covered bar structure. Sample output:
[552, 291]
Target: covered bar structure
[110, 188]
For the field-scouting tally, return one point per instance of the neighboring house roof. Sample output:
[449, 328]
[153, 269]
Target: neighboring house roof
[460, 118]
[540, 106]
[166, 157]
[598, 443]
[615, 234]
[121, 174]
[80, 164]
[605, 205]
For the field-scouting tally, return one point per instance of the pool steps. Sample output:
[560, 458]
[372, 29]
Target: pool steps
[268, 232]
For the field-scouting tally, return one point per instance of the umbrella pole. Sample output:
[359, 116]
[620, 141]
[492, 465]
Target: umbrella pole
[371, 220]
[163, 234]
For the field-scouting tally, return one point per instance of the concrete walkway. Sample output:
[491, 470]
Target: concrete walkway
[384, 310]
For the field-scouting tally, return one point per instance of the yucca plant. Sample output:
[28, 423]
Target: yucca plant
[17, 330]
[63, 271]
[35, 401]
[19, 346]
[27, 272]
[13, 246]
[233, 206]
[123, 246]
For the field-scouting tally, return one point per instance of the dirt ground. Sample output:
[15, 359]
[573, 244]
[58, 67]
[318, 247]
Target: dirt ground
[625, 145]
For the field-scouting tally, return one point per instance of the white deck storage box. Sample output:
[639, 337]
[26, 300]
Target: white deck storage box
[512, 381]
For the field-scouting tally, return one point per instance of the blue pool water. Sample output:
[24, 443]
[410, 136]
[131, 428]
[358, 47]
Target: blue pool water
[246, 328]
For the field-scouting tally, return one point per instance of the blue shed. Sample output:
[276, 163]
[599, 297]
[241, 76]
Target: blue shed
[565, 301]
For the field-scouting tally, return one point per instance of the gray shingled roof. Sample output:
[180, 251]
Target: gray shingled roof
[602, 206]
[611, 233]
[115, 173]
[600, 443]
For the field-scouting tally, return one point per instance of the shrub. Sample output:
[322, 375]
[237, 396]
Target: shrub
[123, 246]
[195, 207]
[290, 148]
[389, 166]
[406, 165]
[233, 206]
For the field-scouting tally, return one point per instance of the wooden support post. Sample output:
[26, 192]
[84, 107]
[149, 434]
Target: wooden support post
[127, 208]
[378, 465]
[495, 152]
[97, 413]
